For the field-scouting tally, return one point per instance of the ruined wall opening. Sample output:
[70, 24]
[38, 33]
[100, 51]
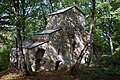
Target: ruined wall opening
[38, 56]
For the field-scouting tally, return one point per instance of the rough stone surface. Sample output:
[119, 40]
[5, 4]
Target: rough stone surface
[69, 41]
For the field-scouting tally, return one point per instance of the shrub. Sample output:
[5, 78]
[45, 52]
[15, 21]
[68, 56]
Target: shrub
[111, 60]
[4, 57]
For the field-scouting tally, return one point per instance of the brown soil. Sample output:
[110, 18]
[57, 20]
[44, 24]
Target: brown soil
[63, 74]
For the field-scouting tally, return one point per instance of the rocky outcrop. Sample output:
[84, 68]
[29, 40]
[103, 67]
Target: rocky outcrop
[66, 34]
[70, 40]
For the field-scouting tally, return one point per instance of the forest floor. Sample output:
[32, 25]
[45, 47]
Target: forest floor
[63, 74]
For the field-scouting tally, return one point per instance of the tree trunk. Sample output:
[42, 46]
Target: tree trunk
[16, 65]
[21, 58]
[74, 69]
[23, 19]
[52, 9]
[90, 34]
[111, 45]
[89, 40]
[109, 36]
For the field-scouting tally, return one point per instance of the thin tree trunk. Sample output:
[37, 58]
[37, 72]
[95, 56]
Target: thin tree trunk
[52, 9]
[23, 19]
[92, 18]
[74, 69]
[111, 45]
[89, 40]
[18, 47]
[21, 57]
[90, 34]
[16, 65]
[109, 36]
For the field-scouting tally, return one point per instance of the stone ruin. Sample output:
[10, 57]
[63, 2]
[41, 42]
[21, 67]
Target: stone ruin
[63, 38]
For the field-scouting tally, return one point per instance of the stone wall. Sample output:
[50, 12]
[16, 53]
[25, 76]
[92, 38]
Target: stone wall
[69, 41]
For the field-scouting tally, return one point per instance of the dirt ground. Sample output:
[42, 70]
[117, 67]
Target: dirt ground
[12, 74]
[63, 74]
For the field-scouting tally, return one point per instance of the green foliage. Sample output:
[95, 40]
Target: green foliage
[4, 57]
[100, 73]
[117, 50]
[106, 73]
[116, 14]
[111, 60]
